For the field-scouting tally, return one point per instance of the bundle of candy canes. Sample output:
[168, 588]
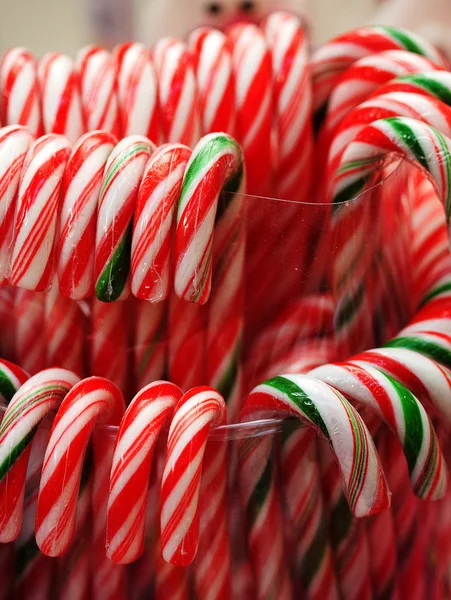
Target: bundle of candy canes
[150, 286]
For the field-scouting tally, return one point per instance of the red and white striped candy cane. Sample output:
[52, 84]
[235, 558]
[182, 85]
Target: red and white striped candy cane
[179, 108]
[97, 74]
[122, 178]
[36, 214]
[158, 197]
[215, 81]
[29, 406]
[332, 59]
[78, 216]
[8, 325]
[395, 104]
[15, 141]
[150, 410]
[253, 104]
[60, 96]
[19, 90]
[90, 400]
[196, 413]
[293, 106]
[366, 75]
[137, 91]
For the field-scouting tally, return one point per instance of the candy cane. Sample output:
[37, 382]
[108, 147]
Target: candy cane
[89, 400]
[323, 408]
[78, 217]
[215, 82]
[137, 91]
[19, 90]
[402, 412]
[215, 167]
[123, 172]
[32, 402]
[195, 414]
[60, 95]
[8, 325]
[35, 224]
[366, 75]
[395, 104]
[149, 411]
[158, 196]
[253, 88]
[335, 57]
[97, 74]
[15, 141]
[179, 109]
[293, 104]
[435, 83]
[429, 381]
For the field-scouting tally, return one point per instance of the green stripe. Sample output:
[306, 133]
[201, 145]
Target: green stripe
[409, 138]
[404, 39]
[414, 432]
[350, 307]
[301, 399]
[7, 388]
[260, 494]
[445, 161]
[446, 287]
[433, 87]
[28, 401]
[15, 453]
[217, 145]
[111, 282]
[357, 475]
[424, 347]
[430, 470]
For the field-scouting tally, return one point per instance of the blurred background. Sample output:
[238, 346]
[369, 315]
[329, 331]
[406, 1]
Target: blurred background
[66, 25]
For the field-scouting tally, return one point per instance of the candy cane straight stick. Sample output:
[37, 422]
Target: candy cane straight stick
[137, 91]
[60, 96]
[19, 91]
[253, 88]
[78, 217]
[179, 109]
[89, 400]
[29, 338]
[35, 223]
[150, 342]
[158, 197]
[15, 141]
[97, 75]
[215, 81]
[293, 101]
[149, 411]
[122, 177]
[335, 57]
[29, 406]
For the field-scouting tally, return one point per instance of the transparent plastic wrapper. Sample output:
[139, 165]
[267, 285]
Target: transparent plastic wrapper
[242, 466]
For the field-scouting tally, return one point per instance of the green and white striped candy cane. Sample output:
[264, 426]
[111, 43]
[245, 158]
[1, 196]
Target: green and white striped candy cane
[409, 139]
[403, 413]
[320, 406]
[213, 178]
[29, 406]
